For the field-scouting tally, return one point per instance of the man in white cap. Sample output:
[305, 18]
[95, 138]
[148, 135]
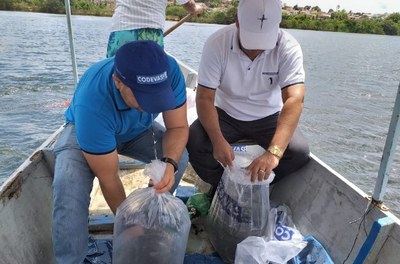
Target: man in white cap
[251, 86]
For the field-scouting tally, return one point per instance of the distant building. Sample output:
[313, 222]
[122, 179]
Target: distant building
[323, 15]
[288, 10]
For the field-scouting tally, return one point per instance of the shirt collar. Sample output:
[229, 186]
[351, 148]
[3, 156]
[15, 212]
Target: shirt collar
[235, 47]
[235, 41]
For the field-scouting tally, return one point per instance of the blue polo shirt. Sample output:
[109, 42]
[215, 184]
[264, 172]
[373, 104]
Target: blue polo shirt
[102, 119]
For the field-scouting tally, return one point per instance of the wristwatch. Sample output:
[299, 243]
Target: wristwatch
[172, 162]
[276, 151]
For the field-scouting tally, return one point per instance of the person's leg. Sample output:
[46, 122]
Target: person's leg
[148, 147]
[73, 182]
[201, 155]
[201, 150]
[119, 38]
[153, 34]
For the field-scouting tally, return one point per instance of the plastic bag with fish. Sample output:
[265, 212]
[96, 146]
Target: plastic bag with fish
[151, 227]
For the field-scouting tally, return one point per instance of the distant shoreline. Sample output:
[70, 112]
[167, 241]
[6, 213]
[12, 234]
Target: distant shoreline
[305, 18]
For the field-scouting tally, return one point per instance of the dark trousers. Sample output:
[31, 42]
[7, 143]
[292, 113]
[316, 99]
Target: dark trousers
[259, 131]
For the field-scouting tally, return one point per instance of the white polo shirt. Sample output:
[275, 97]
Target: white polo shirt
[249, 90]
[135, 14]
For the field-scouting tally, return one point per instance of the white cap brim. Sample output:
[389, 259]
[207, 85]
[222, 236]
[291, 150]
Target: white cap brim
[259, 41]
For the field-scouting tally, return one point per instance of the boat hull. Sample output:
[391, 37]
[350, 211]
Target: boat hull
[324, 204]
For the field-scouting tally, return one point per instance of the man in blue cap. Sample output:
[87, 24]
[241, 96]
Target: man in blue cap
[112, 112]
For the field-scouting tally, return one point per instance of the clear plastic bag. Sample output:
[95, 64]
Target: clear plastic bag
[239, 209]
[151, 227]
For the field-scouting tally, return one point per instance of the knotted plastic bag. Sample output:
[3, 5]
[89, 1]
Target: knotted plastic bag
[239, 209]
[151, 227]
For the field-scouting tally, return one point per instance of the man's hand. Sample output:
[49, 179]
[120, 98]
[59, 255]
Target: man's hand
[167, 180]
[262, 166]
[223, 153]
[198, 9]
[193, 8]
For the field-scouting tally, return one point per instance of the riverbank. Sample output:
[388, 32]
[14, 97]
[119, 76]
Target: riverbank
[222, 12]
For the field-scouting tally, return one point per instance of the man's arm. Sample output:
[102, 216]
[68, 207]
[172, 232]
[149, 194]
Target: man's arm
[105, 167]
[293, 100]
[192, 7]
[174, 143]
[208, 117]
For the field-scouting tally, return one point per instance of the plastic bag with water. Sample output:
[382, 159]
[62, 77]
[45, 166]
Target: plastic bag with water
[151, 227]
[239, 209]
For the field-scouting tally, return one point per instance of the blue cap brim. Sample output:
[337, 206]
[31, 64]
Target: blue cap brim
[156, 102]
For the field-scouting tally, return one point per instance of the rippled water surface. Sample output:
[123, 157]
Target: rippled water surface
[352, 82]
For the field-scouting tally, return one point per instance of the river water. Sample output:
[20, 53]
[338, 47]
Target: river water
[352, 81]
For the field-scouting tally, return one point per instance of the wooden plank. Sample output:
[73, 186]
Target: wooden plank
[101, 223]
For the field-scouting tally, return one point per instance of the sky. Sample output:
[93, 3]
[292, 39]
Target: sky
[365, 6]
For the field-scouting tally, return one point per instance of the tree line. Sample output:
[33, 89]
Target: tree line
[220, 13]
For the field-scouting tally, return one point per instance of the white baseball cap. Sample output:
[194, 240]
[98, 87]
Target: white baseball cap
[259, 23]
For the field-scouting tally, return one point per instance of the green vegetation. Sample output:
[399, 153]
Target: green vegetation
[219, 15]
[217, 12]
[340, 22]
[78, 7]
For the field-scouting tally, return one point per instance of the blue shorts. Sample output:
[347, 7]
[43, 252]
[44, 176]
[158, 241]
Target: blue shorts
[119, 38]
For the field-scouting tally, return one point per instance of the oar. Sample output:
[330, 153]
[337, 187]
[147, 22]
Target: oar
[180, 22]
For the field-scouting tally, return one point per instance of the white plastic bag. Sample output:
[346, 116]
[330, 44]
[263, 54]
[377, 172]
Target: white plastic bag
[282, 243]
[239, 209]
[249, 251]
[151, 227]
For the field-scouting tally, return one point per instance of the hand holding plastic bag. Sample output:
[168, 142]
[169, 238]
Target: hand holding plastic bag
[151, 227]
[239, 209]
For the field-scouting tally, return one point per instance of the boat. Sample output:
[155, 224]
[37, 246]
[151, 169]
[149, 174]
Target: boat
[324, 204]
[352, 226]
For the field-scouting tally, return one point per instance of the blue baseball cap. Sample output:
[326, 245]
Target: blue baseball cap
[143, 66]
